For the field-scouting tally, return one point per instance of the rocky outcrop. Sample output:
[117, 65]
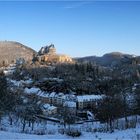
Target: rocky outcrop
[11, 51]
[48, 54]
[47, 50]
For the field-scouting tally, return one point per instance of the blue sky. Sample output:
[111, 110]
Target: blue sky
[75, 28]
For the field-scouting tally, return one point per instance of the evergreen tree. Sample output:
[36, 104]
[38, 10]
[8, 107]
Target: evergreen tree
[3, 91]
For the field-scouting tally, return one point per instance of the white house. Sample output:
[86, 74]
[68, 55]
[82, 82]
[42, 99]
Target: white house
[49, 109]
[88, 101]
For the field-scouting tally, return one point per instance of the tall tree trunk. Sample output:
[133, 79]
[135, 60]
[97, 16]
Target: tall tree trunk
[11, 121]
[136, 120]
[107, 126]
[29, 124]
[64, 125]
[110, 124]
[24, 124]
[69, 127]
[32, 126]
[117, 123]
[126, 122]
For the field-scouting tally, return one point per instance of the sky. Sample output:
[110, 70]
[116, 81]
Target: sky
[77, 28]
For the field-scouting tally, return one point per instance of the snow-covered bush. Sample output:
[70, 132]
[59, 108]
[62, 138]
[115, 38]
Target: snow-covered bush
[61, 131]
[102, 130]
[73, 133]
[51, 132]
[138, 136]
[40, 132]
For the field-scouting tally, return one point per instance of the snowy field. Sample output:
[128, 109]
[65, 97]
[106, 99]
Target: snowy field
[50, 129]
[130, 134]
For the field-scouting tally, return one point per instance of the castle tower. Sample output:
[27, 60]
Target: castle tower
[51, 49]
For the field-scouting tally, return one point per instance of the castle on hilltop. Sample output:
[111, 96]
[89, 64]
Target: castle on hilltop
[48, 54]
[47, 50]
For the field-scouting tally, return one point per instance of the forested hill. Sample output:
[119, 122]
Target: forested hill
[10, 51]
[111, 59]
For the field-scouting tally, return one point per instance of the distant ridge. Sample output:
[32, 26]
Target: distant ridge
[10, 51]
[108, 59]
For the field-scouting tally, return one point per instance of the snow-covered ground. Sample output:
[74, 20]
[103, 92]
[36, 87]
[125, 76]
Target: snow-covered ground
[130, 134]
[51, 131]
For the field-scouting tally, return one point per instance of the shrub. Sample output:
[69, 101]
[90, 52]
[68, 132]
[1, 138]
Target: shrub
[40, 132]
[51, 132]
[73, 133]
[61, 131]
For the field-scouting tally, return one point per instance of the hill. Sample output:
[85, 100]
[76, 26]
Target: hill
[109, 59]
[10, 51]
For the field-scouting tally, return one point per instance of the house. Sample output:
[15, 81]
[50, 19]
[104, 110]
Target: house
[10, 69]
[71, 106]
[49, 109]
[53, 98]
[88, 101]
[60, 98]
[71, 101]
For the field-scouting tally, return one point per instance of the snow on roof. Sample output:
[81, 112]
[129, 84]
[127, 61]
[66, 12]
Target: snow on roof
[53, 79]
[16, 83]
[63, 97]
[21, 82]
[49, 107]
[42, 94]
[29, 81]
[89, 97]
[70, 97]
[52, 107]
[45, 106]
[10, 68]
[52, 94]
[60, 94]
[70, 104]
[32, 90]
[8, 71]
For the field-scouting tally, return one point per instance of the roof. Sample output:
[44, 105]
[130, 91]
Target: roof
[70, 104]
[52, 94]
[89, 97]
[49, 107]
[31, 90]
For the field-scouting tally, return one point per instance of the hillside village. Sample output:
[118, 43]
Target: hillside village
[70, 69]
[71, 96]
[52, 101]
